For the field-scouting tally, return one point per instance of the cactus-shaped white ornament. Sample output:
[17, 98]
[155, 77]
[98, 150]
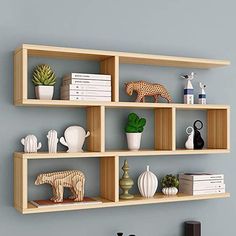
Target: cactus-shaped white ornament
[188, 89]
[30, 144]
[189, 144]
[202, 94]
[52, 141]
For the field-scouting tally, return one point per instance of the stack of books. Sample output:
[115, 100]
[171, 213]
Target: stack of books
[201, 183]
[86, 87]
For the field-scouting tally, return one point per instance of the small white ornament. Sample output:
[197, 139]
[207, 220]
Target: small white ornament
[30, 144]
[74, 138]
[147, 183]
[189, 143]
[188, 89]
[52, 141]
[170, 191]
[202, 94]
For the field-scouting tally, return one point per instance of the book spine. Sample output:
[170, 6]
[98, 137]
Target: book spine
[86, 81]
[87, 76]
[86, 93]
[202, 192]
[85, 87]
[197, 185]
[85, 98]
[201, 177]
[203, 187]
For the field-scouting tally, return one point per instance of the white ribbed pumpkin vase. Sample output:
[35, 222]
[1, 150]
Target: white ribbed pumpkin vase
[147, 183]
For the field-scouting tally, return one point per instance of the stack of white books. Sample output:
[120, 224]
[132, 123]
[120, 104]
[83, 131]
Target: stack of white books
[86, 87]
[201, 183]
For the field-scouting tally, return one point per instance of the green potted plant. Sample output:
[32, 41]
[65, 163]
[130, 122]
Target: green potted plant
[170, 185]
[44, 80]
[134, 129]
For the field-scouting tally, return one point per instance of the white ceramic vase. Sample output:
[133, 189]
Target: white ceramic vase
[147, 183]
[44, 92]
[189, 144]
[170, 191]
[30, 144]
[74, 138]
[52, 141]
[133, 140]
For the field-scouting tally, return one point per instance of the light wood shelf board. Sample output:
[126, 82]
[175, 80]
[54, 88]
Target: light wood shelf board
[138, 200]
[66, 103]
[125, 57]
[62, 155]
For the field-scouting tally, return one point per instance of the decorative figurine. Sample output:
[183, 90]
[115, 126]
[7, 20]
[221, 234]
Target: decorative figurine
[147, 183]
[202, 94]
[188, 89]
[143, 89]
[73, 179]
[74, 138]
[126, 183]
[198, 141]
[170, 185]
[189, 143]
[134, 129]
[52, 141]
[30, 144]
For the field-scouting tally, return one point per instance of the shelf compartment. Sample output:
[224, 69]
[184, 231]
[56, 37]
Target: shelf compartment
[138, 200]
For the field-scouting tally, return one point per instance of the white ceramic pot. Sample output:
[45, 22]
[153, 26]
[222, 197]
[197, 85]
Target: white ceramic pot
[147, 184]
[170, 191]
[44, 92]
[133, 140]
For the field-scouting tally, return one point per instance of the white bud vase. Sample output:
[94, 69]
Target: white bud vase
[147, 183]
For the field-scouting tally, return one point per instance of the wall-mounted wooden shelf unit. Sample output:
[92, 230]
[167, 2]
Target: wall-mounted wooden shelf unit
[218, 124]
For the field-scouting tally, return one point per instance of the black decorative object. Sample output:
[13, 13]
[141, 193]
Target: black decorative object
[198, 142]
[192, 228]
[119, 234]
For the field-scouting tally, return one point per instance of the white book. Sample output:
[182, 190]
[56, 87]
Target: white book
[86, 93]
[87, 81]
[200, 185]
[183, 187]
[85, 87]
[87, 76]
[198, 176]
[202, 192]
[86, 98]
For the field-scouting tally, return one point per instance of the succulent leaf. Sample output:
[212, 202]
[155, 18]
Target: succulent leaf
[135, 124]
[43, 75]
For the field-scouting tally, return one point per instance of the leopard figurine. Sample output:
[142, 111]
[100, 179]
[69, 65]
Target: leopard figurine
[73, 179]
[143, 89]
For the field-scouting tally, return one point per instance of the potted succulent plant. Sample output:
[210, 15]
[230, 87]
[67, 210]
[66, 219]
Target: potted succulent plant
[170, 185]
[134, 129]
[44, 80]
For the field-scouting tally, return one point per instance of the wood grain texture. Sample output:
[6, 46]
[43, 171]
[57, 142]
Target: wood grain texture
[138, 200]
[218, 129]
[20, 183]
[163, 129]
[125, 57]
[96, 127]
[111, 66]
[20, 76]
[109, 178]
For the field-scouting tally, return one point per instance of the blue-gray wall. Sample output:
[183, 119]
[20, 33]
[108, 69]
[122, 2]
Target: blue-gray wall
[203, 28]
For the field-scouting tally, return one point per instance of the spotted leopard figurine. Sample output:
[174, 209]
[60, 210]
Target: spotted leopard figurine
[143, 89]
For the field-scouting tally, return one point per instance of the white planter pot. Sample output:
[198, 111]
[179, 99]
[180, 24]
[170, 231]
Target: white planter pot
[133, 140]
[170, 191]
[44, 92]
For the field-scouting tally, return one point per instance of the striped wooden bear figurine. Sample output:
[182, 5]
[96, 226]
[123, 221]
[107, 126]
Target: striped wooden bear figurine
[73, 179]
